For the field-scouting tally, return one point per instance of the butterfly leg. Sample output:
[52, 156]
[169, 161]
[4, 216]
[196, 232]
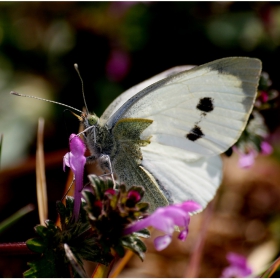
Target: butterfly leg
[68, 189]
[105, 163]
[88, 128]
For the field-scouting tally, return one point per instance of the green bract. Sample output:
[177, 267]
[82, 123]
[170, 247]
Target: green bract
[97, 233]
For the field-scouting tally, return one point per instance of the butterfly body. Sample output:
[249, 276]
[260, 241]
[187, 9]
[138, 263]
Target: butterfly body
[121, 145]
[167, 136]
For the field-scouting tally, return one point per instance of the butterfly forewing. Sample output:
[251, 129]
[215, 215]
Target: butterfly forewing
[203, 110]
[121, 99]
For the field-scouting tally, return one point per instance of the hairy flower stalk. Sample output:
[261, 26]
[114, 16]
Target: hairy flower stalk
[76, 160]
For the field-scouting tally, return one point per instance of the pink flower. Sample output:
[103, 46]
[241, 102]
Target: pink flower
[266, 148]
[117, 65]
[247, 160]
[165, 219]
[76, 160]
[238, 267]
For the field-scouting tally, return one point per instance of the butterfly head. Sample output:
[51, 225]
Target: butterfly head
[92, 119]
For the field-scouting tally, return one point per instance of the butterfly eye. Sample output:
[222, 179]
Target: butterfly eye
[92, 119]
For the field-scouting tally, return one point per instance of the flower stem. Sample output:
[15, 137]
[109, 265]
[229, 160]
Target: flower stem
[17, 248]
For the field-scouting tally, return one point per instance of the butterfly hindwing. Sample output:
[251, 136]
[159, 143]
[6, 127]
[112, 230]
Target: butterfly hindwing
[127, 157]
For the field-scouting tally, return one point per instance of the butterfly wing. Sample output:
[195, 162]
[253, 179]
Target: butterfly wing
[121, 99]
[203, 110]
[182, 180]
[196, 114]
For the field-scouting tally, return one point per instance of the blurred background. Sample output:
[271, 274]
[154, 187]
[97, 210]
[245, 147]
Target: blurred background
[117, 45]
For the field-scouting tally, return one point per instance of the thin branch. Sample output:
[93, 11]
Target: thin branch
[40, 175]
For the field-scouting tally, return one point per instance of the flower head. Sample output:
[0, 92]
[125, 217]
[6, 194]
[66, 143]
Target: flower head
[111, 210]
[76, 160]
[165, 219]
[238, 267]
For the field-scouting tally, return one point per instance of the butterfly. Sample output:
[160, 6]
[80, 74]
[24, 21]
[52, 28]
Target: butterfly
[167, 133]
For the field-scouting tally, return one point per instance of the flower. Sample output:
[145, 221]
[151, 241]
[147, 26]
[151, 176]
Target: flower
[110, 211]
[117, 65]
[246, 160]
[238, 267]
[266, 148]
[165, 219]
[76, 160]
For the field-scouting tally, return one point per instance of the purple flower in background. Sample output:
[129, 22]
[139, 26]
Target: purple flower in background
[165, 219]
[247, 160]
[117, 65]
[119, 8]
[238, 267]
[76, 160]
[266, 148]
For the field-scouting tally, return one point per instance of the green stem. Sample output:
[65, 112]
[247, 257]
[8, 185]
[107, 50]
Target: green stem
[15, 217]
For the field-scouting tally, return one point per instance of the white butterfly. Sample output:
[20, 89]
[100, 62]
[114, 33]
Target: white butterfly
[166, 133]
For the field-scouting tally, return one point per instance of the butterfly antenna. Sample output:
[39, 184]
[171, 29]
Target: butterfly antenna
[83, 92]
[43, 99]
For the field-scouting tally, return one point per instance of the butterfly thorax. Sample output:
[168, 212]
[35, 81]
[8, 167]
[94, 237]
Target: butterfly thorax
[98, 138]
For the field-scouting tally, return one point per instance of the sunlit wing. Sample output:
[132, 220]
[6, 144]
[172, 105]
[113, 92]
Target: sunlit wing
[121, 99]
[182, 180]
[202, 110]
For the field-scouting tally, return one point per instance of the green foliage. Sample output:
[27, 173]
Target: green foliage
[50, 243]
[99, 229]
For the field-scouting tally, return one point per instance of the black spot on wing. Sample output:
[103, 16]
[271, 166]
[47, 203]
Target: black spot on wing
[206, 104]
[195, 133]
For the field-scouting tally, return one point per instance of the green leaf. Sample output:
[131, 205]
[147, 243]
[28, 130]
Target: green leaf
[15, 217]
[91, 251]
[100, 185]
[42, 231]
[36, 245]
[135, 245]
[51, 265]
[119, 249]
[43, 268]
[144, 233]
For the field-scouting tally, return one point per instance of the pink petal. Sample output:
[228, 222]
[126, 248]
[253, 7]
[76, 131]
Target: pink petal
[189, 206]
[76, 160]
[77, 146]
[161, 242]
[236, 259]
[183, 235]
[247, 160]
[66, 161]
[266, 148]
